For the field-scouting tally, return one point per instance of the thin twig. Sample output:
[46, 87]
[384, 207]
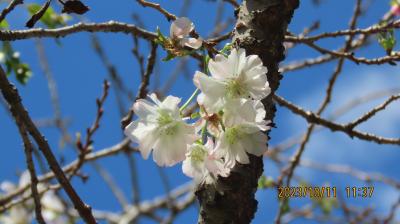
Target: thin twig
[315, 119]
[31, 167]
[142, 92]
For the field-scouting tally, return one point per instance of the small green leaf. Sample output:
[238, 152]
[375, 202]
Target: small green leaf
[387, 40]
[284, 206]
[50, 18]
[14, 65]
[4, 24]
[160, 36]
[227, 48]
[265, 182]
[169, 57]
[195, 115]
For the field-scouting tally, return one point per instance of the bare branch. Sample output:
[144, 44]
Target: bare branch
[315, 119]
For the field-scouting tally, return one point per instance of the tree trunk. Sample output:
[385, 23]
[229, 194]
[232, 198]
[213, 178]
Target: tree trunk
[260, 29]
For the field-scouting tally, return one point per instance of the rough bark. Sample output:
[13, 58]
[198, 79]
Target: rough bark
[260, 29]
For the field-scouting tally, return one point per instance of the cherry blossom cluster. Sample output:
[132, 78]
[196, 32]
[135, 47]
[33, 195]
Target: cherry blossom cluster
[229, 122]
[53, 210]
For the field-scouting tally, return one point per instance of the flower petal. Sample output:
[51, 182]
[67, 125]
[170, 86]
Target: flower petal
[181, 27]
[138, 132]
[171, 103]
[144, 108]
[194, 43]
[220, 68]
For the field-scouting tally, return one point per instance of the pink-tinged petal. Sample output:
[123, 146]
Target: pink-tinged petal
[395, 10]
[181, 27]
[194, 43]
[220, 68]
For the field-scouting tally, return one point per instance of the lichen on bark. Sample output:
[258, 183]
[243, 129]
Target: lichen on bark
[260, 29]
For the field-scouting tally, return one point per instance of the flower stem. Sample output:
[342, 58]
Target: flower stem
[204, 133]
[189, 100]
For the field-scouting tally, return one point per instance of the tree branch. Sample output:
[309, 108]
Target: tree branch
[18, 111]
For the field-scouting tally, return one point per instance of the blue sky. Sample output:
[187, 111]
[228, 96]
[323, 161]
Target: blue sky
[79, 75]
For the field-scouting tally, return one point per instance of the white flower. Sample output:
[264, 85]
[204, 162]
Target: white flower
[237, 111]
[209, 121]
[180, 30]
[2, 57]
[238, 76]
[161, 128]
[16, 215]
[52, 208]
[243, 121]
[201, 165]
[24, 179]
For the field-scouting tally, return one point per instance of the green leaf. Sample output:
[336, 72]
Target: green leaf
[227, 47]
[4, 24]
[169, 57]
[284, 206]
[326, 204]
[387, 40]
[195, 115]
[14, 64]
[265, 182]
[50, 18]
[23, 73]
[160, 36]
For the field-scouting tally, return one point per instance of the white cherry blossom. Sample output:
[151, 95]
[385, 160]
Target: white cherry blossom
[52, 208]
[203, 166]
[160, 127]
[243, 121]
[235, 76]
[180, 30]
[18, 214]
